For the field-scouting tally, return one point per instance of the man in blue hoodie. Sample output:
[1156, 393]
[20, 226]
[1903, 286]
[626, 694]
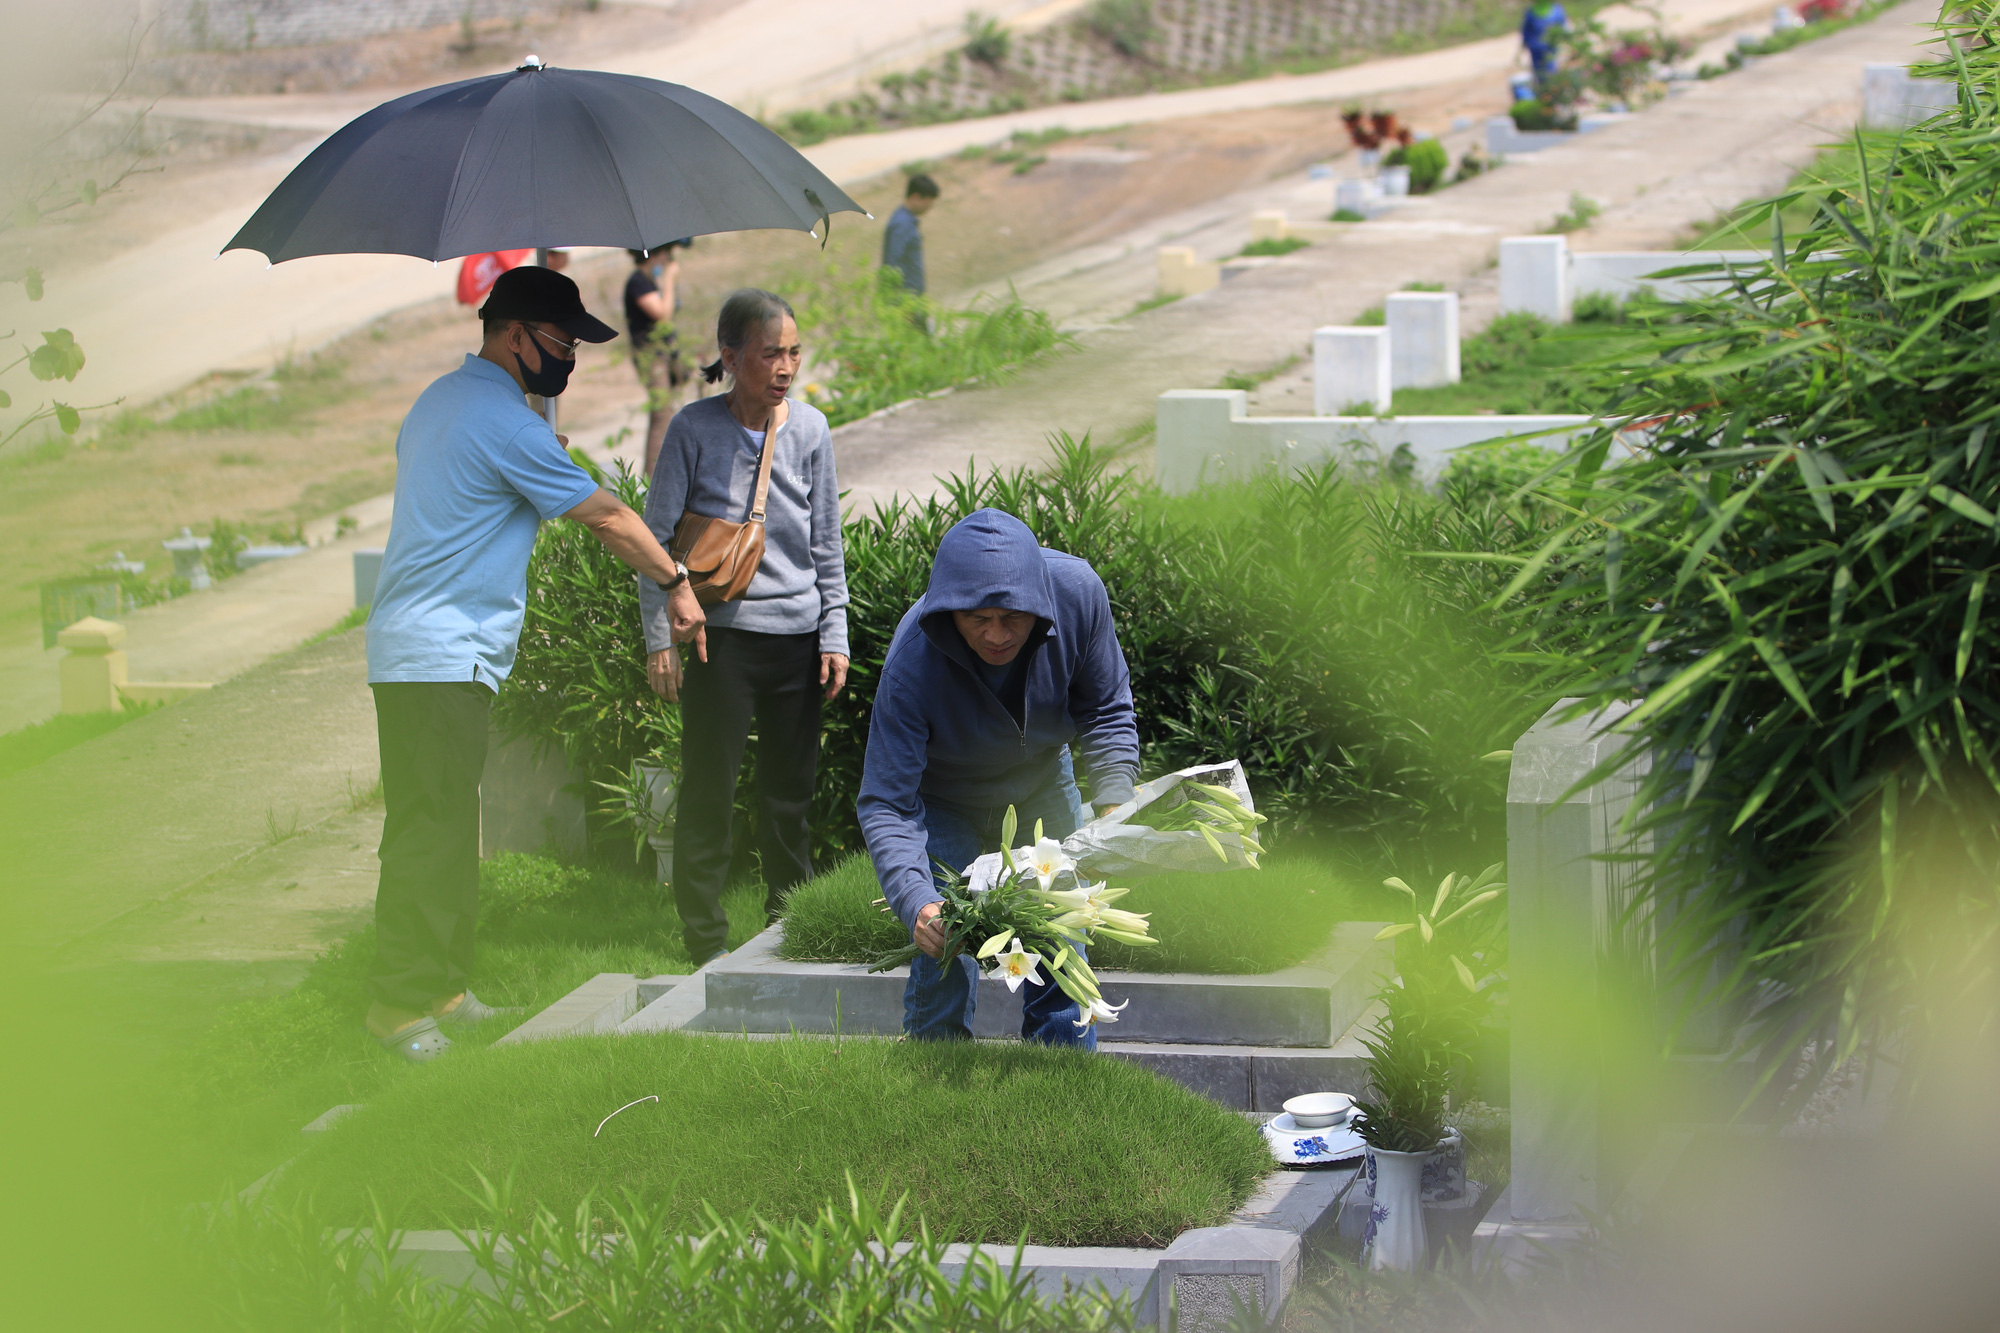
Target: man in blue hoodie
[1010, 654]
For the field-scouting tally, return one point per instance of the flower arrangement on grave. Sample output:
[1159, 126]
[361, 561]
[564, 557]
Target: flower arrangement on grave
[1026, 928]
[1204, 808]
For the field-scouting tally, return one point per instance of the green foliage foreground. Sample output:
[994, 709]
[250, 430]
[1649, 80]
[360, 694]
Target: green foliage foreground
[629, 1265]
[1791, 575]
[1245, 921]
[989, 1143]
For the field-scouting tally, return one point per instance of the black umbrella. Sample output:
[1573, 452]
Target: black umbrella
[539, 157]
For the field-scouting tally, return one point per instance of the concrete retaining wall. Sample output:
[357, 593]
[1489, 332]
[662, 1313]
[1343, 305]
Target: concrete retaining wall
[239, 25]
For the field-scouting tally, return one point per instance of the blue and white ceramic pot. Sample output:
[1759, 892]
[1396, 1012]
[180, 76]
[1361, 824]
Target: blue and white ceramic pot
[1395, 1236]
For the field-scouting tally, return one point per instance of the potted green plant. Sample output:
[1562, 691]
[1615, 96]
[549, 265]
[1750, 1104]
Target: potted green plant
[1433, 1015]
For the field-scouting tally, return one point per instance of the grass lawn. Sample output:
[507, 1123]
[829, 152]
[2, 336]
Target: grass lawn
[1230, 922]
[44, 740]
[236, 1101]
[1518, 364]
[988, 1141]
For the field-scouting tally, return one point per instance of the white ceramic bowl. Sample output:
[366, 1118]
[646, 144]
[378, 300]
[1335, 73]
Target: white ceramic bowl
[1317, 1110]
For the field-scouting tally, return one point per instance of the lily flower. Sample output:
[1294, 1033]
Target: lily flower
[1045, 859]
[1101, 896]
[996, 944]
[1131, 922]
[1097, 1011]
[1018, 965]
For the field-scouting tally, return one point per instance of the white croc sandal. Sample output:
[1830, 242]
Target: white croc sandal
[471, 1009]
[419, 1043]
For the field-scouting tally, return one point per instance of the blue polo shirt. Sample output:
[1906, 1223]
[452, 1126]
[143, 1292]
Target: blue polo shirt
[477, 472]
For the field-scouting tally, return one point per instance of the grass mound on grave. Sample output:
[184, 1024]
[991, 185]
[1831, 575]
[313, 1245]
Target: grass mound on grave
[1221, 924]
[989, 1142]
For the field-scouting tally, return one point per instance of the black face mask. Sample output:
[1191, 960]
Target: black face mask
[551, 379]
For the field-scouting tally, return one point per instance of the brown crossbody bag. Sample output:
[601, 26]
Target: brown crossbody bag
[721, 556]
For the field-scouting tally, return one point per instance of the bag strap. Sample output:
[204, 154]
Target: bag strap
[764, 468]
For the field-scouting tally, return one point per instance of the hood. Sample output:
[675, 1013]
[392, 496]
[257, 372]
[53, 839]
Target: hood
[989, 558]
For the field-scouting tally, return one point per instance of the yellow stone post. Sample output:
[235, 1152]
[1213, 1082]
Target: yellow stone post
[94, 668]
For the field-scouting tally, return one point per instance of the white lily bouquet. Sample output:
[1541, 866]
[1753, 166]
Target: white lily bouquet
[1021, 922]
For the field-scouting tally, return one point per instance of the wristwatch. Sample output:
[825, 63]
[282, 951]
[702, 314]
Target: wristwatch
[680, 577]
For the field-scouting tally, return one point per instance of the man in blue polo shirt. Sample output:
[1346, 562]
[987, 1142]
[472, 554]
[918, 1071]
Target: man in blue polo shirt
[477, 474]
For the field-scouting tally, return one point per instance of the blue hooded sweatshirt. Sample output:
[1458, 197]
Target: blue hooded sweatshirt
[939, 733]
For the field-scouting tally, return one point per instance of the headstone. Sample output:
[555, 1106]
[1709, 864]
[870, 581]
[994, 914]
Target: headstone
[1423, 339]
[1894, 99]
[1267, 225]
[1357, 196]
[1394, 182]
[190, 561]
[1567, 910]
[94, 668]
[1350, 371]
[1534, 277]
[1181, 274]
[367, 572]
[531, 799]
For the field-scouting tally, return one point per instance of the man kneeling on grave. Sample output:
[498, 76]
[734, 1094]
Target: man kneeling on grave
[1009, 655]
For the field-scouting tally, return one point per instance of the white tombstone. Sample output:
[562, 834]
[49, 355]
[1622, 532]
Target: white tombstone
[1568, 902]
[1350, 370]
[1534, 277]
[1893, 99]
[367, 572]
[1423, 339]
[1355, 195]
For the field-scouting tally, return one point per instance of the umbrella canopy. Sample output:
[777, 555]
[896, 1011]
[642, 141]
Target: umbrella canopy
[539, 157]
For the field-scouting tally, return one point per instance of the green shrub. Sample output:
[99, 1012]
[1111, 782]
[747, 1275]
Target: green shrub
[885, 345]
[1127, 24]
[1275, 245]
[1283, 623]
[986, 40]
[1427, 161]
[1531, 114]
[1792, 577]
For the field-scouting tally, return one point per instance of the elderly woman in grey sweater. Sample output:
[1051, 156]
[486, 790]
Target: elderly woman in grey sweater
[771, 657]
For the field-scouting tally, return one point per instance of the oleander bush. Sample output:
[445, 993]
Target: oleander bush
[1302, 624]
[1790, 577]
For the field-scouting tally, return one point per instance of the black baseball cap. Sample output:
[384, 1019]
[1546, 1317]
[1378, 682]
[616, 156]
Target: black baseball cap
[544, 296]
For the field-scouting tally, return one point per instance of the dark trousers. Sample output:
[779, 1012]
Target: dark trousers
[771, 681]
[940, 998]
[433, 740]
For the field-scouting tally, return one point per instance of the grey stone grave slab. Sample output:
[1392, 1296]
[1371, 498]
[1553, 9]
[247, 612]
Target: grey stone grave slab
[752, 989]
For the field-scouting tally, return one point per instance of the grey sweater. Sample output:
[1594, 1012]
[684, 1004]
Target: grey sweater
[709, 464]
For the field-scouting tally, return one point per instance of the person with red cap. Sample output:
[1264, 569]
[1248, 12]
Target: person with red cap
[477, 474]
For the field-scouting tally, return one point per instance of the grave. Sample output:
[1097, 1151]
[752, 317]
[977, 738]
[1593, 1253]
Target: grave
[1423, 339]
[1503, 137]
[1542, 276]
[1351, 367]
[531, 799]
[1892, 98]
[1203, 436]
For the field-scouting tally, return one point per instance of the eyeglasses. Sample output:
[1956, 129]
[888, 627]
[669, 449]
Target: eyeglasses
[567, 351]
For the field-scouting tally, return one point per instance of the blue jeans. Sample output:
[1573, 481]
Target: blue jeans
[939, 1000]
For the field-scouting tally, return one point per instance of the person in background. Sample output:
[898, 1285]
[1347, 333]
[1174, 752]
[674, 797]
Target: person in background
[774, 650]
[1010, 654]
[1540, 23]
[652, 295]
[477, 273]
[477, 474]
[903, 239]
